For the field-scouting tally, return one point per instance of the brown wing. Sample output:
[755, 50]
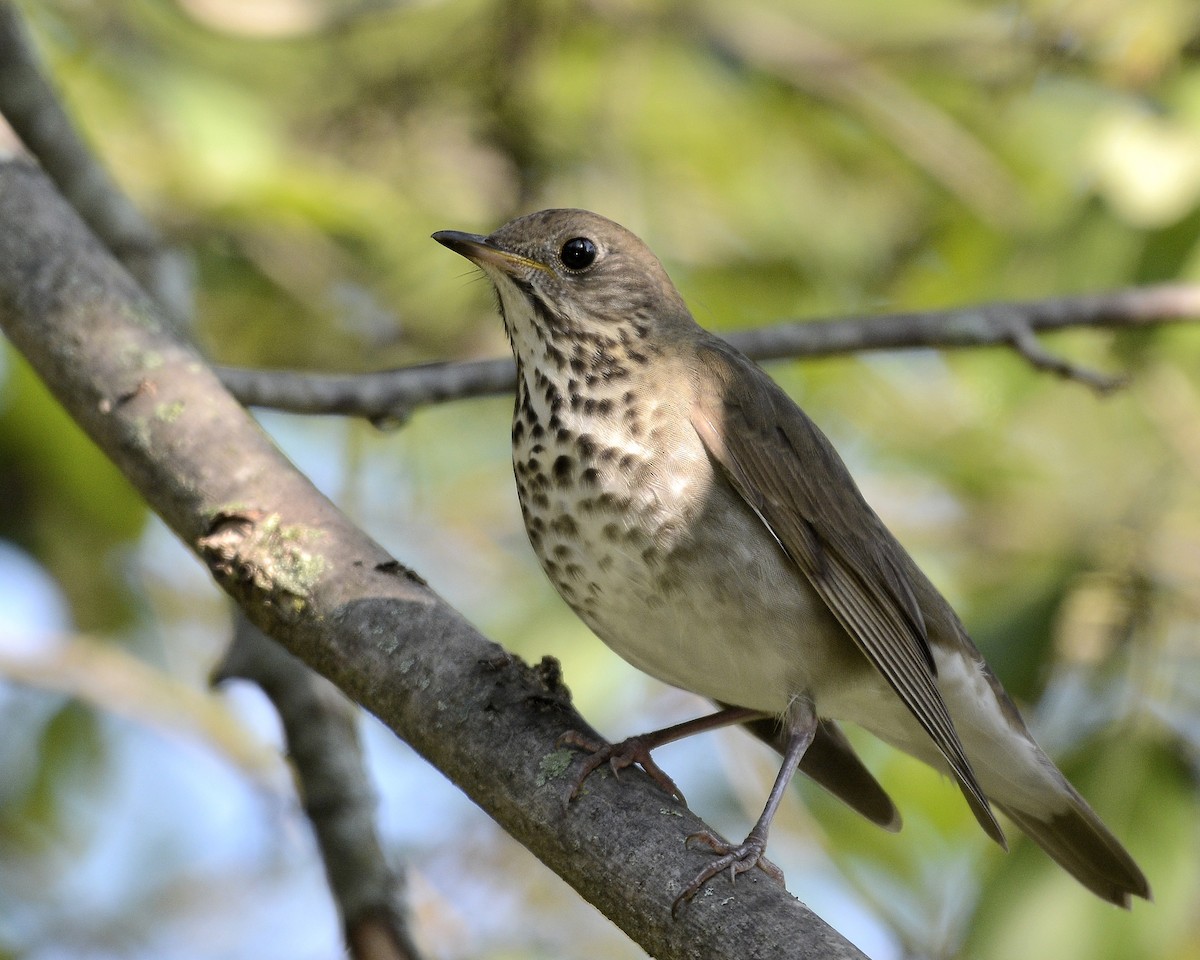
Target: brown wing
[786, 470]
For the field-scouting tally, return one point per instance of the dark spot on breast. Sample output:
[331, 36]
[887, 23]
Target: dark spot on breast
[518, 431]
[586, 446]
[611, 502]
[536, 432]
[604, 407]
[562, 551]
[590, 477]
[565, 525]
[627, 462]
[611, 532]
[541, 501]
[573, 570]
[638, 358]
[563, 466]
[605, 563]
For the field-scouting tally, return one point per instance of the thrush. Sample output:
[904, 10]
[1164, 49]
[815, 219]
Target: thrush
[705, 529]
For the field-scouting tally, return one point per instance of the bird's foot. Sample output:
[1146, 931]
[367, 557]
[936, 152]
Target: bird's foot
[618, 756]
[737, 858]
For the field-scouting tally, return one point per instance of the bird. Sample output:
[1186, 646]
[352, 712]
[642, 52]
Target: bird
[707, 531]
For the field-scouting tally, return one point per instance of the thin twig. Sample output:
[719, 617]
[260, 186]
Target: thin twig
[394, 395]
[1026, 343]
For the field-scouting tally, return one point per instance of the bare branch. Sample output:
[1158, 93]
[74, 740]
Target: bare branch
[982, 325]
[390, 396]
[336, 600]
[321, 727]
[1026, 343]
[30, 104]
[393, 395]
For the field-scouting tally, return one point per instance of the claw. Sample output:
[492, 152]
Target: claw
[739, 858]
[618, 756]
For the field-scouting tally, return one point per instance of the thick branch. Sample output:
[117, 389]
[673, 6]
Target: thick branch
[306, 575]
[319, 722]
[396, 394]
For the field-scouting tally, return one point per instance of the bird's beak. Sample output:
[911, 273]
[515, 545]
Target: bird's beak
[483, 252]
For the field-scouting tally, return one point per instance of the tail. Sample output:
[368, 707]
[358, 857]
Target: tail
[1083, 846]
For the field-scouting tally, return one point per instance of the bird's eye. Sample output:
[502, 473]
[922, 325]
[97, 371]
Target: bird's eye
[578, 253]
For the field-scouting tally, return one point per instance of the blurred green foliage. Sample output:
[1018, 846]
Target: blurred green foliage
[785, 159]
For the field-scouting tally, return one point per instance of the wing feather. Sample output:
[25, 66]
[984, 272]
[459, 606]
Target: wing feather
[788, 473]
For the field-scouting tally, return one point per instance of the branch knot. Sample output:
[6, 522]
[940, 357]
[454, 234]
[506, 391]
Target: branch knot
[251, 552]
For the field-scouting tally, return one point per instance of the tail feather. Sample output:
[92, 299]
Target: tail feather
[1083, 846]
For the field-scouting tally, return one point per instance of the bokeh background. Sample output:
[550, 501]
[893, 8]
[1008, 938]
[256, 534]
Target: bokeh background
[785, 160]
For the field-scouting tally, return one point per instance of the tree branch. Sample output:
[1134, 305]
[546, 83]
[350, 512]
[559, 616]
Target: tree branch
[393, 395]
[319, 723]
[321, 729]
[306, 575]
[31, 106]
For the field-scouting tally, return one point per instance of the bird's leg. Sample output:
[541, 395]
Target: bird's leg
[637, 749]
[802, 727]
